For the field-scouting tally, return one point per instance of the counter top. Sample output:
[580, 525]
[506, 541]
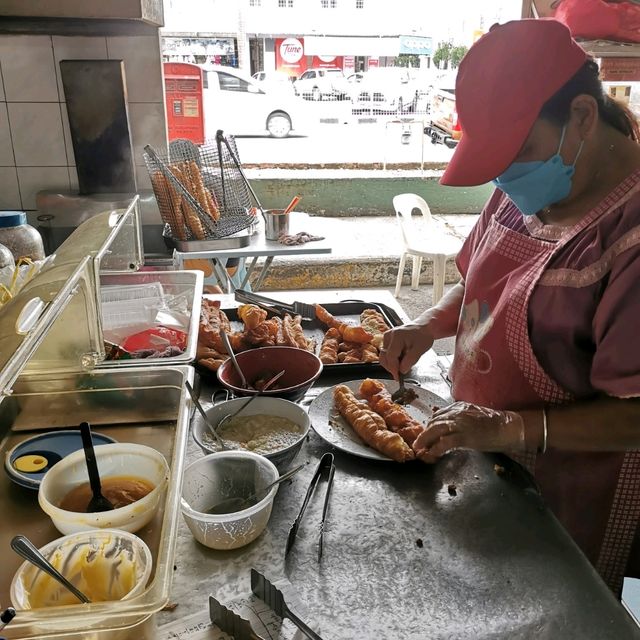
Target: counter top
[460, 549]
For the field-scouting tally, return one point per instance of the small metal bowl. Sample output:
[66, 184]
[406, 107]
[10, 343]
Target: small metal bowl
[282, 458]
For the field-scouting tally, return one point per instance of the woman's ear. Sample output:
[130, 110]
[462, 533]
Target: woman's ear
[584, 114]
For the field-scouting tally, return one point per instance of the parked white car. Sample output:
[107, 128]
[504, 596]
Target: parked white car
[238, 105]
[384, 90]
[274, 81]
[318, 84]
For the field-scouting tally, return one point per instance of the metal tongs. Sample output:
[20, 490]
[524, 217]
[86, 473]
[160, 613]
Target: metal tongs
[325, 466]
[307, 311]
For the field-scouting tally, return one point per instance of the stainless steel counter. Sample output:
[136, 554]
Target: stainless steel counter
[453, 550]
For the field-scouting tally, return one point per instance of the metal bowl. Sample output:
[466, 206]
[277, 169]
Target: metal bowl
[282, 458]
[302, 368]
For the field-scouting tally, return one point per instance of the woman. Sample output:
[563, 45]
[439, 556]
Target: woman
[547, 364]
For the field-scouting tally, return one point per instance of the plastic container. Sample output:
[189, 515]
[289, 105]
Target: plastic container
[20, 238]
[6, 257]
[228, 474]
[120, 459]
[81, 557]
[260, 406]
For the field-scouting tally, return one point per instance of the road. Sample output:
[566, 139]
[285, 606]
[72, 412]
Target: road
[333, 135]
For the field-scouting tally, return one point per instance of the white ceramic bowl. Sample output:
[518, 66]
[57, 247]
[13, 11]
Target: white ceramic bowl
[227, 474]
[282, 458]
[81, 557]
[119, 459]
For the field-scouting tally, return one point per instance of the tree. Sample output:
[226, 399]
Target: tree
[442, 55]
[407, 60]
[456, 55]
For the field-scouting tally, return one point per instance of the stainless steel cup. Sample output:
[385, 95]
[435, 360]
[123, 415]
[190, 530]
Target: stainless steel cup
[277, 223]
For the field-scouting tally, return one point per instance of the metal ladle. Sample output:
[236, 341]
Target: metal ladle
[26, 549]
[231, 505]
[202, 412]
[232, 355]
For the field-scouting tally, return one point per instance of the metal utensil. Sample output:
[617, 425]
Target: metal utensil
[232, 355]
[98, 502]
[231, 505]
[304, 309]
[266, 387]
[25, 548]
[403, 395]
[230, 622]
[202, 412]
[326, 465]
[273, 598]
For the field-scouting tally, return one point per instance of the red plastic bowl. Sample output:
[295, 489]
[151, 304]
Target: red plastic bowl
[302, 369]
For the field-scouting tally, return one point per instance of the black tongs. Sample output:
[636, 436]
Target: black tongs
[327, 467]
[304, 309]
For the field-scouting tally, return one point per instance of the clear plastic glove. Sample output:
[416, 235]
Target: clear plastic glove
[402, 347]
[468, 426]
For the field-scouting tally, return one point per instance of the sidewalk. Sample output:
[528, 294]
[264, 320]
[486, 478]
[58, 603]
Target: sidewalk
[365, 253]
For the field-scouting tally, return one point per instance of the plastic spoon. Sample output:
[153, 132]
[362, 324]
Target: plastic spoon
[25, 548]
[227, 346]
[98, 502]
[291, 206]
[231, 505]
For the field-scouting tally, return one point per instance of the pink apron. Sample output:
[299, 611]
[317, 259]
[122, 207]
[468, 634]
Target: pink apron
[495, 366]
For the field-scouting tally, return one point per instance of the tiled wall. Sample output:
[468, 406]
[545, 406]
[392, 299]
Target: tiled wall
[35, 145]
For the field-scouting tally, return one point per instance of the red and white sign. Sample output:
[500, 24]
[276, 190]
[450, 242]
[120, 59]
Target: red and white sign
[374, 61]
[620, 69]
[326, 62]
[348, 65]
[290, 58]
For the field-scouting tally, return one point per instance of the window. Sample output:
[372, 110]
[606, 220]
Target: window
[285, 3]
[232, 83]
[328, 4]
[359, 4]
[255, 3]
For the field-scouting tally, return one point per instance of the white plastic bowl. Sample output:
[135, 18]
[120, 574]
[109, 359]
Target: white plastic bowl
[68, 555]
[119, 459]
[227, 474]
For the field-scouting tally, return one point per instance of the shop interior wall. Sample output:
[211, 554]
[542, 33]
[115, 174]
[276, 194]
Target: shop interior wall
[35, 145]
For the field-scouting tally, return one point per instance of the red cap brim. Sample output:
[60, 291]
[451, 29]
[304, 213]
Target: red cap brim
[481, 158]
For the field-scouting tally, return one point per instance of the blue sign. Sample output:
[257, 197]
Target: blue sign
[417, 45]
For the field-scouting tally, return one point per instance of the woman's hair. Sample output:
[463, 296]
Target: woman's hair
[587, 81]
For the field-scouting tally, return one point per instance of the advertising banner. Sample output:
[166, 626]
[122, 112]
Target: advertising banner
[620, 69]
[290, 58]
[416, 45]
[327, 62]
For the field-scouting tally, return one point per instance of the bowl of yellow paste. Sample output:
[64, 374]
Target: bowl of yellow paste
[105, 564]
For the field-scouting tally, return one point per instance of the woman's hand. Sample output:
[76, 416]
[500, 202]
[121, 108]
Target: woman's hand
[468, 426]
[403, 346]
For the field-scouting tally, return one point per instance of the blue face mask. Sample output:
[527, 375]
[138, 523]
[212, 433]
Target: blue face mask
[532, 186]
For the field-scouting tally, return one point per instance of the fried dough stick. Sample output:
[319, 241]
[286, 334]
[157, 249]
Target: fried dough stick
[370, 426]
[251, 315]
[329, 346]
[394, 415]
[373, 322]
[348, 333]
[212, 319]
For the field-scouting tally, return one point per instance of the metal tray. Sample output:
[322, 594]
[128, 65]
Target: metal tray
[348, 311]
[57, 399]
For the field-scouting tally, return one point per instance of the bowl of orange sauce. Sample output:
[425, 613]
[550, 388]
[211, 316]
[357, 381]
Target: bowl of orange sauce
[133, 477]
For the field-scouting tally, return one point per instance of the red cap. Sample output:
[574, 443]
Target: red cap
[502, 84]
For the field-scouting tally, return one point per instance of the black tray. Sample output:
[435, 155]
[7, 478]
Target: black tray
[348, 311]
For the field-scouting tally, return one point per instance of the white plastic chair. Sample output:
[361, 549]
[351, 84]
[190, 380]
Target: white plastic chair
[429, 242]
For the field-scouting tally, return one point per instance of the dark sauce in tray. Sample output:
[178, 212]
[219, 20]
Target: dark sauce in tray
[119, 490]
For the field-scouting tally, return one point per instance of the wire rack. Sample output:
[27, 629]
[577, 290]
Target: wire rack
[202, 192]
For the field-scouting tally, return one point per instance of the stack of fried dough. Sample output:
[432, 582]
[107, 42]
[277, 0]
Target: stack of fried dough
[384, 425]
[351, 344]
[258, 332]
[185, 221]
